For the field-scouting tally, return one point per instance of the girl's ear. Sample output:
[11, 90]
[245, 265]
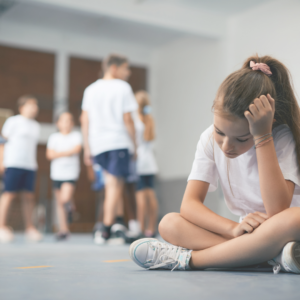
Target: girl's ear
[274, 120]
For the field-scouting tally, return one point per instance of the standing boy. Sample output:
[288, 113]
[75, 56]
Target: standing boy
[108, 132]
[22, 134]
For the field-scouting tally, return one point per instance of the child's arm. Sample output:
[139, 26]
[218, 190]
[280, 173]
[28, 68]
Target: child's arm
[52, 154]
[149, 133]
[129, 124]
[277, 193]
[193, 210]
[1, 159]
[84, 119]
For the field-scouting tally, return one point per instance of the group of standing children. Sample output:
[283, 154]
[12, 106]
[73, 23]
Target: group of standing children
[117, 131]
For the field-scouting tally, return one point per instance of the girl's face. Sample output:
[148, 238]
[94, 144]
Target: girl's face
[65, 123]
[232, 135]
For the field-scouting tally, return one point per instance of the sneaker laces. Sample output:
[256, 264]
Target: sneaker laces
[276, 266]
[164, 255]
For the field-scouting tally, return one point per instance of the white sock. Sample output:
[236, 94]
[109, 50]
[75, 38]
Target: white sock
[134, 226]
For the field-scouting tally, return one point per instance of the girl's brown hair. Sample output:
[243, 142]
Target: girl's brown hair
[240, 89]
[143, 100]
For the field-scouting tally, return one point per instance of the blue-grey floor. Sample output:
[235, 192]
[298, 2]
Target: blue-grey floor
[78, 269]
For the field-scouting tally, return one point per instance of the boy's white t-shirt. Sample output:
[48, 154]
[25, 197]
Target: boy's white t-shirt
[244, 197]
[67, 167]
[23, 136]
[146, 163]
[106, 101]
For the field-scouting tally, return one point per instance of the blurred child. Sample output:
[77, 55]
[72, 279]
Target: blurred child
[22, 134]
[108, 132]
[146, 166]
[63, 150]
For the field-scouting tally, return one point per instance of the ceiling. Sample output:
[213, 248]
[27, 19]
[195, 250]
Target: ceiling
[91, 25]
[226, 7]
[128, 19]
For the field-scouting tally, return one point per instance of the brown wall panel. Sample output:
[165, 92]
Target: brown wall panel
[27, 72]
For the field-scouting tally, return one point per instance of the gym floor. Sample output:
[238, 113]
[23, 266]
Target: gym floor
[77, 269]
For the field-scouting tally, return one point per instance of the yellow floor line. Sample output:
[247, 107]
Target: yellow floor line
[117, 260]
[35, 267]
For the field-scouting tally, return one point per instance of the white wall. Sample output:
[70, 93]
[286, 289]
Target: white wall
[271, 29]
[185, 76]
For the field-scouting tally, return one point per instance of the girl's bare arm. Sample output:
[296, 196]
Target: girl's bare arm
[277, 193]
[52, 154]
[193, 210]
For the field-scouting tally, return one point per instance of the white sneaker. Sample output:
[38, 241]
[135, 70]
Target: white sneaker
[6, 235]
[288, 260]
[98, 239]
[152, 254]
[33, 235]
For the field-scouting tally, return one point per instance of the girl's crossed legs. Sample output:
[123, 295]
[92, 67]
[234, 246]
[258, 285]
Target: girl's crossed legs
[212, 250]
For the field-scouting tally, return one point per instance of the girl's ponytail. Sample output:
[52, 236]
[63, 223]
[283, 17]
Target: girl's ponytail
[286, 106]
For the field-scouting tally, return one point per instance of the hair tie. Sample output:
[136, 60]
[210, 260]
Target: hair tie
[261, 67]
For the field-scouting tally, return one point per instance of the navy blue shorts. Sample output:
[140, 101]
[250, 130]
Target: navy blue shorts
[58, 183]
[145, 182]
[16, 180]
[115, 162]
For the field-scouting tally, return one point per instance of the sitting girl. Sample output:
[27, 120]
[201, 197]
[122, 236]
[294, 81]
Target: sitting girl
[253, 150]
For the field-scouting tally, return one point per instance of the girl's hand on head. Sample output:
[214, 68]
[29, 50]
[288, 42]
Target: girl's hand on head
[261, 115]
[249, 224]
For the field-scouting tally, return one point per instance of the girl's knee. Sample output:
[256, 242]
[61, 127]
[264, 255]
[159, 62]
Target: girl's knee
[293, 218]
[168, 224]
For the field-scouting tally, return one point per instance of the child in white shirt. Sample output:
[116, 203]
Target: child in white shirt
[253, 150]
[63, 150]
[146, 166]
[108, 133]
[22, 134]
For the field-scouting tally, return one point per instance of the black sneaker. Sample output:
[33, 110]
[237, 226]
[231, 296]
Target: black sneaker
[121, 231]
[62, 236]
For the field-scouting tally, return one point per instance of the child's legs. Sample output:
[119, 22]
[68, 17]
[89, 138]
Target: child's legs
[61, 213]
[5, 202]
[66, 192]
[153, 206]
[178, 231]
[27, 185]
[129, 200]
[28, 205]
[141, 207]
[263, 244]
[120, 208]
[113, 194]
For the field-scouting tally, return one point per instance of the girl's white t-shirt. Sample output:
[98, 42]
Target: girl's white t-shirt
[23, 136]
[146, 163]
[67, 167]
[241, 173]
